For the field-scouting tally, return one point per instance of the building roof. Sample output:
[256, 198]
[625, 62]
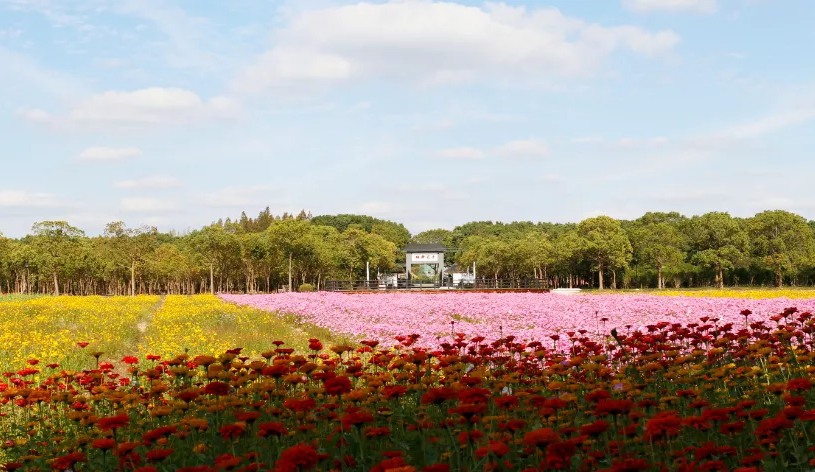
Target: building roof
[434, 247]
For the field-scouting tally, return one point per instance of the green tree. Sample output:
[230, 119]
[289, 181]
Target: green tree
[131, 245]
[604, 243]
[216, 246]
[720, 243]
[657, 243]
[55, 242]
[782, 242]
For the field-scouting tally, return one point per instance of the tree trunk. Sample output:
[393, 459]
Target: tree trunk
[290, 256]
[600, 273]
[660, 282]
[56, 284]
[779, 279]
[720, 277]
[133, 278]
[614, 279]
[211, 278]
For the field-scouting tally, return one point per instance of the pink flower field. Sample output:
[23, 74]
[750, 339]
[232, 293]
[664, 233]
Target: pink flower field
[525, 315]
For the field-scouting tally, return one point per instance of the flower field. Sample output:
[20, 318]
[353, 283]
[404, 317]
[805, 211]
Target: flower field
[706, 396]
[49, 328]
[431, 382]
[527, 316]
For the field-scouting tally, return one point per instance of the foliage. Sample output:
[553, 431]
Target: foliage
[252, 255]
[305, 288]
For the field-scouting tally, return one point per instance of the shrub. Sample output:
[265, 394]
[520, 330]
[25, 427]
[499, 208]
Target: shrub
[306, 288]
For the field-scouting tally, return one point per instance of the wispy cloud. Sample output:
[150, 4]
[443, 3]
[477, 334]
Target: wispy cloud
[154, 181]
[107, 154]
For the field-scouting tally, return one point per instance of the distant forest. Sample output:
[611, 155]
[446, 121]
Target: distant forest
[269, 252]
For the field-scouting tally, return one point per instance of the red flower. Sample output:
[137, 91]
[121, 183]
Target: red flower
[148, 468]
[594, 429]
[113, 422]
[130, 360]
[613, 407]
[541, 437]
[158, 455]
[439, 395]
[473, 395]
[273, 428]
[495, 447]
[298, 457]
[306, 404]
[103, 444]
[337, 385]
[393, 391]
[437, 468]
[231, 431]
[796, 385]
[82, 344]
[507, 402]
[473, 436]
[356, 418]
[217, 388]
[67, 461]
[629, 465]
[158, 433]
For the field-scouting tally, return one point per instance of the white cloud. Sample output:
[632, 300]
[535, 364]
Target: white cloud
[35, 115]
[154, 181]
[108, 154]
[637, 142]
[146, 205]
[460, 153]
[440, 42]
[552, 177]
[588, 140]
[441, 125]
[25, 199]
[236, 197]
[374, 208]
[150, 106]
[697, 6]
[770, 123]
[522, 148]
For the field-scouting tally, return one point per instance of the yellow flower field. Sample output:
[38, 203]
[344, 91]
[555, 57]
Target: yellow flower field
[758, 293]
[205, 324]
[50, 328]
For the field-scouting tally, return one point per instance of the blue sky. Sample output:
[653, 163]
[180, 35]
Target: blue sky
[177, 112]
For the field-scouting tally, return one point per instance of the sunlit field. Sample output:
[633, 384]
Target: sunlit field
[791, 293]
[731, 392]
[68, 330]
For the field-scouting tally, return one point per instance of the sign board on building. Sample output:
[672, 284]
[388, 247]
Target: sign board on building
[422, 257]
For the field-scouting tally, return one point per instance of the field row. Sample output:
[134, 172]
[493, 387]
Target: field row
[436, 317]
[51, 329]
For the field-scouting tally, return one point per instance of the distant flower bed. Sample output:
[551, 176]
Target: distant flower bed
[527, 316]
[706, 396]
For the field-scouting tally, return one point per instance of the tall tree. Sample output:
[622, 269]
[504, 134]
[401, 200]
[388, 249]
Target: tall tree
[55, 242]
[604, 243]
[783, 243]
[657, 242]
[720, 243]
[131, 245]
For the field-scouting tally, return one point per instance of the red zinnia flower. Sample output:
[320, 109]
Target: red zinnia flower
[273, 428]
[337, 385]
[495, 447]
[795, 385]
[613, 407]
[216, 388]
[103, 444]
[67, 461]
[113, 422]
[298, 457]
[157, 455]
[541, 437]
[231, 431]
[356, 418]
[130, 360]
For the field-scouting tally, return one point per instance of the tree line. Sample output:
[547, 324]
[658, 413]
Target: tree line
[271, 252]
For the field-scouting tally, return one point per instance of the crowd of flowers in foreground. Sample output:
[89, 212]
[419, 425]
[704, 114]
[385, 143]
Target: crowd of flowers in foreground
[527, 316]
[707, 396]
